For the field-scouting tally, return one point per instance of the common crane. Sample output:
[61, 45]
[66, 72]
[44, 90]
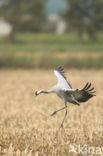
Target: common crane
[64, 90]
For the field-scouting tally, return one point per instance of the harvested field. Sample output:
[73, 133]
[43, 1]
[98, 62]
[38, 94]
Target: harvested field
[26, 128]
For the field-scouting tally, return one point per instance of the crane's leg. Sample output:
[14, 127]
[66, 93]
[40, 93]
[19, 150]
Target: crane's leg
[58, 111]
[64, 115]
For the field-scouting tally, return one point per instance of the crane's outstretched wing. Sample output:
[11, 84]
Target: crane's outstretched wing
[62, 81]
[84, 94]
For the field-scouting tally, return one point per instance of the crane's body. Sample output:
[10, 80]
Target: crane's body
[64, 90]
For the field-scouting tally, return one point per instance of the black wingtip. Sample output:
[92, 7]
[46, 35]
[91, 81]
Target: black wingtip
[61, 71]
[86, 85]
[89, 90]
[60, 68]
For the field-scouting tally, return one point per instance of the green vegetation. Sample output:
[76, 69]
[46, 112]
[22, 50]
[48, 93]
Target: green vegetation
[46, 50]
[29, 42]
[23, 15]
[48, 62]
[84, 16]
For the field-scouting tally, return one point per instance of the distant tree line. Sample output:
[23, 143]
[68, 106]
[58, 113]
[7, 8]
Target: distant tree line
[23, 15]
[81, 16]
[84, 16]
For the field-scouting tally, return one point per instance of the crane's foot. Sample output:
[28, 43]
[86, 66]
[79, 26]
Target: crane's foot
[53, 113]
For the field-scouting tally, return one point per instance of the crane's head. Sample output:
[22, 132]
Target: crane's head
[41, 91]
[37, 92]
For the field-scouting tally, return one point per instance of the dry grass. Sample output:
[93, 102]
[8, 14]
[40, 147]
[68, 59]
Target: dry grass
[26, 128]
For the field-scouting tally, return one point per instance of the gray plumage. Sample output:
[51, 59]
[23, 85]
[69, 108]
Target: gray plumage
[64, 90]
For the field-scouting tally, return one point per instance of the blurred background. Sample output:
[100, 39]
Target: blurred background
[37, 36]
[49, 33]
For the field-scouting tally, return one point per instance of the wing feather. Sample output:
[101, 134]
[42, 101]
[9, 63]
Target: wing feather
[62, 81]
[84, 94]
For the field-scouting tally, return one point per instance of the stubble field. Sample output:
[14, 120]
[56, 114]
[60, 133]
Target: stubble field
[26, 127]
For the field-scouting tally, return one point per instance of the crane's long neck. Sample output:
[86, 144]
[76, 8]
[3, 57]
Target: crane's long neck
[43, 91]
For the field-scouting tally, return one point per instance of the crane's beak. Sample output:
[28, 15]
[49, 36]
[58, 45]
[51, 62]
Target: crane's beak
[35, 93]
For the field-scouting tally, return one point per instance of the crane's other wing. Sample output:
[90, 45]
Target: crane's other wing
[84, 94]
[62, 81]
